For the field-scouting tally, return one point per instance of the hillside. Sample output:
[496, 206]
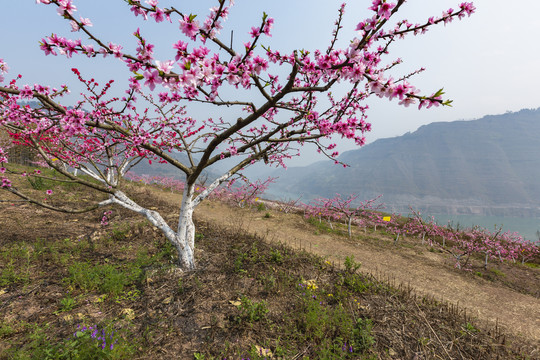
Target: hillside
[71, 287]
[488, 166]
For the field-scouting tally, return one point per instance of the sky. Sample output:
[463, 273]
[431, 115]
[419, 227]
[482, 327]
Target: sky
[487, 64]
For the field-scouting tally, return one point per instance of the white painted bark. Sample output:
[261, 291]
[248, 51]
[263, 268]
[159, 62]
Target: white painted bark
[184, 238]
[186, 228]
[185, 252]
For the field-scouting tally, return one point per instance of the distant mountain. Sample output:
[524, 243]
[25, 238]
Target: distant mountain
[489, 166]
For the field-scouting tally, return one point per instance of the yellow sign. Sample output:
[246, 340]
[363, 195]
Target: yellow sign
[386, 218]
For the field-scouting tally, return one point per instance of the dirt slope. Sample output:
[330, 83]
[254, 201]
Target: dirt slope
[429, 273]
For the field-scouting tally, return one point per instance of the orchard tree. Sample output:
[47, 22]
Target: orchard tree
[279, 101]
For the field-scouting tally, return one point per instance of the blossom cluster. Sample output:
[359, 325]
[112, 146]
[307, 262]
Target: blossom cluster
[196, 73]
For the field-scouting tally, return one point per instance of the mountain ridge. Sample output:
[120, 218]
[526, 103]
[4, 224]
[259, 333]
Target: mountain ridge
[488, 166]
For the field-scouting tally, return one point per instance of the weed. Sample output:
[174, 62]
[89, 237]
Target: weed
[239, 262]
[350, 265]
[251, 311]
[269, 282]
[363, 338]
[261, 207]
[180, 286]
[275, 256]
[36, 183]
[338, 334]
[167, 251]
[67, 303]
[131, 295]
[468, 328]
[267, 215]
[86, 343]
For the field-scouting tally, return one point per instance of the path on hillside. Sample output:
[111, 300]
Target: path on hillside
[518, 313]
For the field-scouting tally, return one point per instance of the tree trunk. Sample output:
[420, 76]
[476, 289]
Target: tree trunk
[185, 235]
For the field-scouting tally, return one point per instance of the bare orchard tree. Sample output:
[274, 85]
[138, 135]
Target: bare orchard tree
[103, 137]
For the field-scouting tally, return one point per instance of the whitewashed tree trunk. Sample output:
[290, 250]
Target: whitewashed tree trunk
[184, 238]
[185, 235]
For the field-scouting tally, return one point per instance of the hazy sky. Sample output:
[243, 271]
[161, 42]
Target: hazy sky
[487, 64]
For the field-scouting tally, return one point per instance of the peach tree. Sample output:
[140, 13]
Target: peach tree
[273, 101]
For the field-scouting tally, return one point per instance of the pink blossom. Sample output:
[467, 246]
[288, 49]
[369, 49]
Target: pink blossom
[152, 78]
[74, 26]
[69, 47]
[3, 69]
[158, 15]
[66, 6]
[255, 31]
[268, 26]
[88, 50]
[6, 183]
[139, 11]
[386, 10]
[165, 66]
[469, 8]
[47, 48]
[116, 50]
[49, 192]
[26, 92]
[189, 26]
[86, 21]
